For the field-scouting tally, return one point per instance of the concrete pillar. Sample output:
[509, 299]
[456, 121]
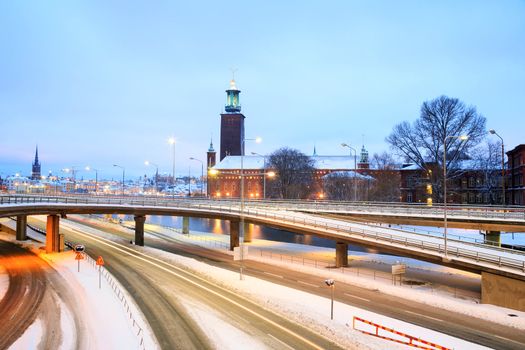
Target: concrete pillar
[21, 227]
[139, 229]
[248, 229]
[234, 234]
[493, 238]
[341, 254]
[186, 225]
[502, 291]
[52, 237]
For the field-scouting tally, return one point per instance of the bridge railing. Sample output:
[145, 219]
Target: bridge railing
[370, 235]
[453, 210]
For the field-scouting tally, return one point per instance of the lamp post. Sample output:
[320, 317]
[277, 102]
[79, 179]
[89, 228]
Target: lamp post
[493, 132]
[462, 138]
[171, 141]
[355, 167]
[202, 173]
[147, 163]
[73, 173]
[241, 225]
[88, 168]
[331, 283]
[264, 172]
[123, 175]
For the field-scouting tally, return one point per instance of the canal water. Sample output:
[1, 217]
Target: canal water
[255, 231]
[222, 227]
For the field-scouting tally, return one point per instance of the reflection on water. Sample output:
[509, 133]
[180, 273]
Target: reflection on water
[254, 231]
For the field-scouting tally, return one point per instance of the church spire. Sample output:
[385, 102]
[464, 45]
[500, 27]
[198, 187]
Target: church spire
[211, 146]
[36, 155]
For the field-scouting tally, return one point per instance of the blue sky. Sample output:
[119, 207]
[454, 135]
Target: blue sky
[104, 82]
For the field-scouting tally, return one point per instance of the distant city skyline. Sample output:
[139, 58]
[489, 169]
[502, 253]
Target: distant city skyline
[101, 83]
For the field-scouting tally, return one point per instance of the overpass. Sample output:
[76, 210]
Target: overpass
[502, 270]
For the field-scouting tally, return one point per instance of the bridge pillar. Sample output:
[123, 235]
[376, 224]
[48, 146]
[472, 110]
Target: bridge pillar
[186, 225]
[52, 236]
[139, 229]
[494, 237]
[502, 291]
[21, 227]
[248, 229]
[341, 254]
[234, 234]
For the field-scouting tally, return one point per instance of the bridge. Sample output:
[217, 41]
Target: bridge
[502, 270]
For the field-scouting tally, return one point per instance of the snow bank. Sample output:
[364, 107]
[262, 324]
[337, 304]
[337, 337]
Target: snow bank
[31, 337]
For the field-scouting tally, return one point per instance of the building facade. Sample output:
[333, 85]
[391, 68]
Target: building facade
[516, 176]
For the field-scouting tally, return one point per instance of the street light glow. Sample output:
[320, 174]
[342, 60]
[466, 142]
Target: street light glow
[171, 140]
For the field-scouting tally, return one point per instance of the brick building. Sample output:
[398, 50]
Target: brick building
[516, 175]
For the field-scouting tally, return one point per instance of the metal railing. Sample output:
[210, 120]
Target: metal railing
[316, 226]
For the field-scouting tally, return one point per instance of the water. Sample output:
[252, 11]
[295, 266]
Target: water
[222, 227]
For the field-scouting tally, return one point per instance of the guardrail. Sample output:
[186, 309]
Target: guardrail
[343, 230]
[436, 210]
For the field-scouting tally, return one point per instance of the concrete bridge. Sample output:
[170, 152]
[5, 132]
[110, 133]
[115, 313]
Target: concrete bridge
[502, 270]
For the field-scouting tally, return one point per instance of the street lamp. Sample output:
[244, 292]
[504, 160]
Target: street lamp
[331, 283]
[202, 172]
[147, 163]
[73, 171]
[462, 138]
[355, 167]
[88, 168]
[493, 132]
[264, 172]
[123, 175]
[171, 141]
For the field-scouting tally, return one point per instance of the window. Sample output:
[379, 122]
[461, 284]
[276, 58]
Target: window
[471, 197]
[471, 182]
[464, 197]
[409, 197]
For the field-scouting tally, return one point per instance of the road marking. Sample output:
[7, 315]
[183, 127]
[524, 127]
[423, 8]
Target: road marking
[148, 259]
[415, 313]
[280, 341]
[309, 284]
[354, 296]
[507, 339]
[272, 274]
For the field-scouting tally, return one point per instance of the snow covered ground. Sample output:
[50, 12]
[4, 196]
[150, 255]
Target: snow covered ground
[446, 301]
[311, 310]
[105, 321]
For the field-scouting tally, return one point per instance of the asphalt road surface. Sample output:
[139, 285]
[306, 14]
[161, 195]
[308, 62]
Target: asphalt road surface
[27, 286]
[160, 288]
[445, 321]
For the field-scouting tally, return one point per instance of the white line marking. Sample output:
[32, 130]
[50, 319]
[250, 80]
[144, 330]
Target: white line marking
[280, 341]
[309, 284]
[144, 257]
[415, 313]
[507, 339]
[353, 296]
[274, 275]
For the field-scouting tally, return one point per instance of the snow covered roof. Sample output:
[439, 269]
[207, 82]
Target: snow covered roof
[467, 164]
[350, 174]
[257, 162]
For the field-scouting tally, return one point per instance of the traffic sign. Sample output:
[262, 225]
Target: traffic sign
[79, 256]
[100, 261]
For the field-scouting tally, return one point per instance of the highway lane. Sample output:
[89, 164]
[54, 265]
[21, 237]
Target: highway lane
[27, 287]
[445, 321]
[160, 289]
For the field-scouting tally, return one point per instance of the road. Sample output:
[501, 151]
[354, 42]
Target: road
[27, 287]
[160, 290]
[445, 321]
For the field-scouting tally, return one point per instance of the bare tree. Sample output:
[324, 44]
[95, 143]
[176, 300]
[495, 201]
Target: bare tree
[294, 174]
[339, 185]
[487, 163]
[385, 188]
[424, 141]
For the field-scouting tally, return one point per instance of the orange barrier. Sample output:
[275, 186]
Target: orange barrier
[411, 341]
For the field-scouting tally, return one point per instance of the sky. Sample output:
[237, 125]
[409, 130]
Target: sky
[108, 82]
